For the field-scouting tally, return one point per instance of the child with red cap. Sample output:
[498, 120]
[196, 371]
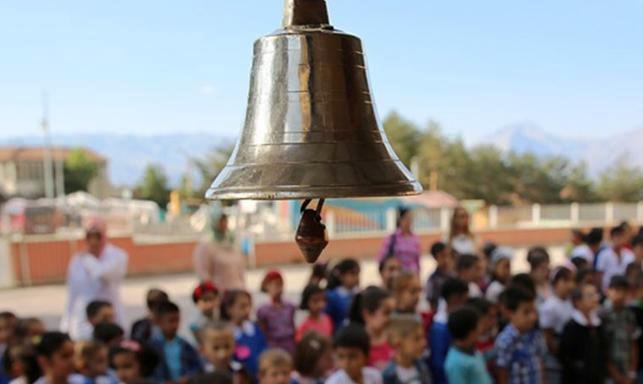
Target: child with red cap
[206, 299]
[277, 318]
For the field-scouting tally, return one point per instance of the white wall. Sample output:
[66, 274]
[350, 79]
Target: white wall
[6, 267]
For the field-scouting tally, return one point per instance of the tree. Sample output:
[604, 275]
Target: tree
[154, 186]
[211, 164]
[621, 182]
[79, 170]
[404, 136]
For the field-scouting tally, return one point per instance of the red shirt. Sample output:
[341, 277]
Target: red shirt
[323, 325]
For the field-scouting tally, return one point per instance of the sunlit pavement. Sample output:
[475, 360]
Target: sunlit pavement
[47, 302]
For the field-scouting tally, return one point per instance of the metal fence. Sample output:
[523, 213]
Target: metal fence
[494, 217]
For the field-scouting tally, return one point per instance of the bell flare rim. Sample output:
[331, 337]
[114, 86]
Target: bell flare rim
[308, 192]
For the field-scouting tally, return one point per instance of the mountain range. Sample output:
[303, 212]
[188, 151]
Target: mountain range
[129, 154]
[598, 154]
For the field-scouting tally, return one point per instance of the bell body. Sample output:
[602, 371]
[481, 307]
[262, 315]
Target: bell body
[311, 128]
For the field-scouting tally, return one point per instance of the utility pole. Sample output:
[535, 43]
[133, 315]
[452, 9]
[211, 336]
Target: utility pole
[47, 158]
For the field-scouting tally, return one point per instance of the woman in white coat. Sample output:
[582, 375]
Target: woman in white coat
[93, 274]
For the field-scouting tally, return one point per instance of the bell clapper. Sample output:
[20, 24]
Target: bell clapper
[311, 237]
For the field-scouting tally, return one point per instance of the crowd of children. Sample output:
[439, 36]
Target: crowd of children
[472, 322]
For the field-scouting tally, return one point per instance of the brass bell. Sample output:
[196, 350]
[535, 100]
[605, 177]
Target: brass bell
[311, 129]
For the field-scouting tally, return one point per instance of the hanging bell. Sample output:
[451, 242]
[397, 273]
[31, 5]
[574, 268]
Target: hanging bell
[311, 129]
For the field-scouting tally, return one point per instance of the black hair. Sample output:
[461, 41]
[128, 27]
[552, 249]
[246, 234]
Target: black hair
[146, 356]
[166, 308]
[561, 273]
[452, 287]
[619, 282]
[107, 332]
[309, 350]
[369, 300]
[579, 262]
[216, 377]
[22, 327]
[524, 281]
[230, 297]
[6, 315]
[637, 240]
[537, 256]
[462, 322]
[437, 248]
[466, 261]
[401, 212]
[617, 231]
[385, 260]
[319, 271]
[344, 266]
[480, 304]
[514, 296]
[155, 296]
[25, 354]
[488, 248]
[50, 343]
[95, 306]
[594, 236]
[309, 291]
[353, 336]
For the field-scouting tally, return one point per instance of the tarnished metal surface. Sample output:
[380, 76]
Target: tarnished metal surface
[311, 128]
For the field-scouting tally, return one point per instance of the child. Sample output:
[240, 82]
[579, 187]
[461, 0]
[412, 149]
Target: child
[313, 300]
[454, 295]
[500, 272]
[406, 292]
[469, 268]
[636, 306]
[389, 268]
[217, 348]
[55, 353]
[206, 298]
[179, 360]
[29, 329]
[277, 318]
[554, 314]
[313, 359]
[372, 308]
[97, 311]
[342, 284]
[488, 330]
[443, 255]
[464, 364]
[622, 332]
[20, 364]
[93, 363]
[133, 362]
[406, 336]
[612, 261]
[538, 259]
[583, 346]
[351, 345]
[275, 367]
[142, 328]
[6, 333]
[109, 334]
[250, 340]
[519, 346]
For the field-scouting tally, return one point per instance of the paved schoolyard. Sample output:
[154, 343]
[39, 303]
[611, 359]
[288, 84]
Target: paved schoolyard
[47, 302]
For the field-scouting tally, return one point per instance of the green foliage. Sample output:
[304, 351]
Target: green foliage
[154, 186]
[484, 172]
[210, 165]
[621, 182]
[79, 170]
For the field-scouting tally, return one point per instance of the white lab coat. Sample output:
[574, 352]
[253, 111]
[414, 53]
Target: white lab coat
[93, 278]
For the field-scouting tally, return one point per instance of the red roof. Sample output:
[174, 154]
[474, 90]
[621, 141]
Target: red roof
[17, 153]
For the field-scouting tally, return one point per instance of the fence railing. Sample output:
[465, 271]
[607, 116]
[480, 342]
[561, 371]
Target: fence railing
[494, 217]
